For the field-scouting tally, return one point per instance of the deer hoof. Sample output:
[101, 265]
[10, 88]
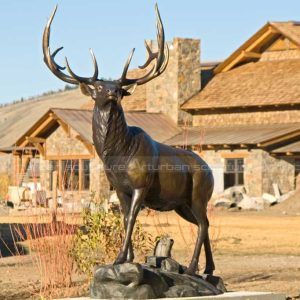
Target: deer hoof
[209, 271]
[190, 271]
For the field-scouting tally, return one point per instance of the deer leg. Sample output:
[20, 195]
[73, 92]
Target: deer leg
[198, 209]
[125, 202]
[137, 199]
[202, 232]
[210, 266]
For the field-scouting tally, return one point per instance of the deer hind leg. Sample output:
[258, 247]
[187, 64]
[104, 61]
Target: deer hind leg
[197, 214]
[210, 265]
[125, 202]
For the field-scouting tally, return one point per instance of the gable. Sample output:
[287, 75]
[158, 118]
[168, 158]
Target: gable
[274, 36]
[281, 43]
[63, 144]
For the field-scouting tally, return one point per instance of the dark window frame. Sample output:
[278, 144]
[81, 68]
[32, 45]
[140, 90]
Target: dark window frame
[234, 172]
[66, 181]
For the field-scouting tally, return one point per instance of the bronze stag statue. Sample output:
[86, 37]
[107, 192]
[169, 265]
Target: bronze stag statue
[142, 171]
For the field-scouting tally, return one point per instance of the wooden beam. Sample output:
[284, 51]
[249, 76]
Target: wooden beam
[69, 157]
[36, 131]
[261, 39]
[279, 139]
[65, 126]
[250, 54]
[250, 48]
[40, 148]
[233, 63]
[80, 174]
[235, 155]
[60, 175]
[88, 145]
[33, 139]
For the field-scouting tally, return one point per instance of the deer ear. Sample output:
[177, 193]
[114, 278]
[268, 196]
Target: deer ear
[85, 90]
[129, 89]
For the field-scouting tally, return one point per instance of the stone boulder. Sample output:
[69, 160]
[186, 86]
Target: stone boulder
[150, 281]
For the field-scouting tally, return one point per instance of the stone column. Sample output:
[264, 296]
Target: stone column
[178, 83]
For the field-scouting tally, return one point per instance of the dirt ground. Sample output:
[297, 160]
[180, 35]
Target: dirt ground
[254, 251]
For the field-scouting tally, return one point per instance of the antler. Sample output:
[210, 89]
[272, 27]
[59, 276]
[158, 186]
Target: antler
[57, 69]
[161, 57]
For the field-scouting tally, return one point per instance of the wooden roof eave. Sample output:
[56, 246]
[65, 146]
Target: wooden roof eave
[35, 129]
[247, 49]
[279, 139]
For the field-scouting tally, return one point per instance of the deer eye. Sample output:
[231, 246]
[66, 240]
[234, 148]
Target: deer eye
[99, 88]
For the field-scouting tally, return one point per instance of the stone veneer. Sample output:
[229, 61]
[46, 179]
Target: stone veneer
[179, 82]
[261, 170]
[241, 118]
[280, 55]
[60, 143]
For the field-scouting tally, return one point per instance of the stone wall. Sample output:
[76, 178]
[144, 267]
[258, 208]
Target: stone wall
[260, 170]
[280, 55]
[279, 170]
[179, 82]
[241, 118]
[60, 143]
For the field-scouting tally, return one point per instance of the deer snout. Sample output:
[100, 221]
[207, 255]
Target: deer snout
[112, 94]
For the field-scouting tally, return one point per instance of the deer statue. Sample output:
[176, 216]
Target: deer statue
[142, 171]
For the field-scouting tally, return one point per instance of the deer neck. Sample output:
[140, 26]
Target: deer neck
[111, 135]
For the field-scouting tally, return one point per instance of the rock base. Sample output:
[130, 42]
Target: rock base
[160, 277]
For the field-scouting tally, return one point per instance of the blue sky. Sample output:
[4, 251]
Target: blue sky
[112, 28]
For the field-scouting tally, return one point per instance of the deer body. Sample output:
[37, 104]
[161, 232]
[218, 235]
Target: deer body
[132, 159]
[143, 171]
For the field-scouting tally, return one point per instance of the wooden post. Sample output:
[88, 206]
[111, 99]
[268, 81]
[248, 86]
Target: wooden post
[54, 189]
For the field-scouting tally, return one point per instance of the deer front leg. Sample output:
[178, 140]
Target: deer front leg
[125, 201]
[137, 199]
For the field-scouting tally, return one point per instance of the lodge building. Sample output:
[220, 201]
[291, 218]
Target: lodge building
[242, 115]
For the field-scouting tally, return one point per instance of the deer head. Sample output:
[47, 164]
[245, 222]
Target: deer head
[103, 90]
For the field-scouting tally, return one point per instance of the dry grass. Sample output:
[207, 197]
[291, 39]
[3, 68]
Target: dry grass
[50, 245]
[255, 251]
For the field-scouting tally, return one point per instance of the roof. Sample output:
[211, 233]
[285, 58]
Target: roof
[163, 129]
[13, 148]
[257, 135]
[254, 46]
[291, 148]
[157, 125]
[252, 84]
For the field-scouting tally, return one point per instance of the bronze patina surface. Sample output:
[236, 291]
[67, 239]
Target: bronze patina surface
[143, 171]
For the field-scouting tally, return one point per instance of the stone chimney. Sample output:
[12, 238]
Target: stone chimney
[178, 83]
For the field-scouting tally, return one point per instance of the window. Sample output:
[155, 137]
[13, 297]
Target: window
[86, 174]
[70, 175]
[33, 168]
[234, 172]
[74, 174]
